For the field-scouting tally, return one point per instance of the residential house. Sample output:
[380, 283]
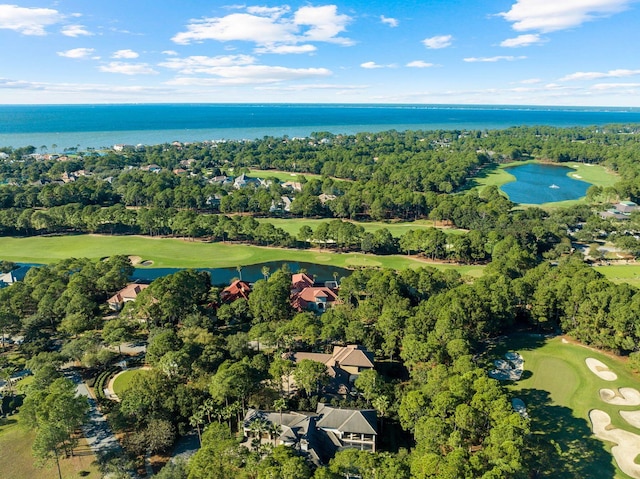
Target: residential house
[237, 290]
[318, 436]
[243, 181]
[14, 276]
[620, 211]
[283, 205]
[300, 281]
[348, 428]
[126, 294]
[324, 198]
[292, 185]
[306, 296]
[153, 168]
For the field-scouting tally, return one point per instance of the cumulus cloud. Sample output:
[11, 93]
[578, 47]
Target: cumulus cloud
[439, 41]
[522, 41]
[553, 15]
[75, 31]
[392, 22]
[531, 81]
[171, 53]
[77, 53]
[129, 54]
[498, 58]
[28, 21]
[620, 73]
[128, 68]
[203, 64]
[419, 64]
[271, 28]
[374, 65]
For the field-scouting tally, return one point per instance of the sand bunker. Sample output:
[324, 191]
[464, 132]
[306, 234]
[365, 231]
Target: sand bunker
[628, 443]
[624, 397]
[135, 259]
[632, 417]
[600, 369]
[519, 407]
[508, 370]
[147, 262]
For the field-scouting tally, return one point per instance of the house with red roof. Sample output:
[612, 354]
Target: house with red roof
[237, 290]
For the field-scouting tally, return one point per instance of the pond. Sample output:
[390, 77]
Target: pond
[250, 273]
[536, 184]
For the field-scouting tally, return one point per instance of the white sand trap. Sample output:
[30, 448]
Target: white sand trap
[564, 341]
[135, 259]
[628, 443]
[600, 369]
[624, 397]
[632, 417]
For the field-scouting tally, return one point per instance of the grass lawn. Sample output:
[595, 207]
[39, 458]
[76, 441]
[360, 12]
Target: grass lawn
[622, 273]
[17, 462]
[124, 379]
[178, 253]
[397, 229]
[283, 176]
[559, 390]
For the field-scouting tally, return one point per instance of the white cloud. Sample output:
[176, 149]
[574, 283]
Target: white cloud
[286, 49]
[312, 86]
[531, 81]
[392, 22]
[251, 74]
[128, 68]
[507, 58]
[522, 41]
[554, 15]
[374, 65]
[439, 41]
[77, 53]
[75, 31]
[171, 53]
[620, 73]
[271, 27]
[28, 21]
[203, 64]
[129, 54]
[75, 88]
[615, 86]
[419, 64]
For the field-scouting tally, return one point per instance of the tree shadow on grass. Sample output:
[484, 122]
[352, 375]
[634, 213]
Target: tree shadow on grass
[560, 444]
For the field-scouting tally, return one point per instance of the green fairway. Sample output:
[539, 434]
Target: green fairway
[559, 390]
[397, 229]
[179, 253]
[283, 176]
[123, 380]
[622, 273]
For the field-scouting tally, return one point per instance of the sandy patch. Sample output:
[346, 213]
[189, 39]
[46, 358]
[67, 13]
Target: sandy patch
[632, 417]
[628, 443]
[624, 397]
[600, 369]
[564, 341]
[575, 175]
[135, 259]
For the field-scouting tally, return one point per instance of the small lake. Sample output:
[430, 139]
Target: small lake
[250, 273]
[536, 184]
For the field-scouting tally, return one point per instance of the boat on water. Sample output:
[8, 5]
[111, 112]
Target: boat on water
[554, 186]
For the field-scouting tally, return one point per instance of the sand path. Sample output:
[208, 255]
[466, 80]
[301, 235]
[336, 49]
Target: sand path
[600, 369]
[628, 443]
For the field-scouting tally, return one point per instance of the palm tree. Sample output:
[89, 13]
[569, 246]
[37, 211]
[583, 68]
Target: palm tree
[195, 421]
[274, 431]
[265, 272]
[279, 405]
[239, 270]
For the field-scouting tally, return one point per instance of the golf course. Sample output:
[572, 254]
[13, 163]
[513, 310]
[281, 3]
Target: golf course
[182, 253]
[565, 396]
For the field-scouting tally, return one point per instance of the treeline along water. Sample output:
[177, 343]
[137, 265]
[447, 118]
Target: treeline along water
[104, 125]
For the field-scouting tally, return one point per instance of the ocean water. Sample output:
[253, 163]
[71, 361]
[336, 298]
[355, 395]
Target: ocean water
[105, 125]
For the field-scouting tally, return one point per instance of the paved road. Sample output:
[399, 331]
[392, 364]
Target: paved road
[96, 430]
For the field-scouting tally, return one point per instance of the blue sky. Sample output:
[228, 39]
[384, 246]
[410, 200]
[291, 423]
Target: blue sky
[522, 52]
